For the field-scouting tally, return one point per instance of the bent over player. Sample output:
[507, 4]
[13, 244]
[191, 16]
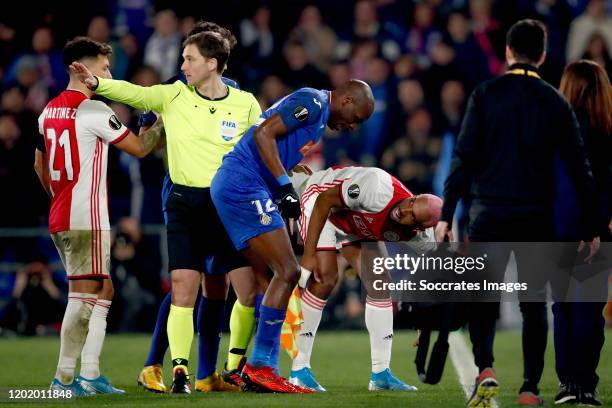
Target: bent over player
[342, 207]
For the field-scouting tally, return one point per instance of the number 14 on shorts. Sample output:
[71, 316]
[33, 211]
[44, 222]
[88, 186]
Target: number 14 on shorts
[264, 218]
[269, 206]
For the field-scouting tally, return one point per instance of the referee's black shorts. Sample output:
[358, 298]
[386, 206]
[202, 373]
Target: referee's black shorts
[196, 237]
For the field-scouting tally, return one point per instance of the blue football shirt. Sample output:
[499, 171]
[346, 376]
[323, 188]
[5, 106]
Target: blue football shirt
[305, 113]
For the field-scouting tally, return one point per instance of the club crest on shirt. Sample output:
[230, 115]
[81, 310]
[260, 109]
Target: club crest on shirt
[265, 219]
[228, 130]
[391, 236]
[300, 113]
[353, 191]
[114, 123]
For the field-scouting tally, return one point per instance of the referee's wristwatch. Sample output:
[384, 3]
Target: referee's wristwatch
[92, 86]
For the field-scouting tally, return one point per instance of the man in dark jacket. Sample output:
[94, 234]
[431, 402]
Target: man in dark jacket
[504, 159]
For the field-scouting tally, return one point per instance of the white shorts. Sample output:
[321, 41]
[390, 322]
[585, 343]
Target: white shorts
[332, 238]
[85, 254]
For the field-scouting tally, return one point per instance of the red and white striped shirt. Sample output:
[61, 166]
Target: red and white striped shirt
[77, 132]
[369, 194]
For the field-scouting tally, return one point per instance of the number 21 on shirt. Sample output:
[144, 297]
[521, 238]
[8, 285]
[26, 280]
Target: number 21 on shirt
[64, 144]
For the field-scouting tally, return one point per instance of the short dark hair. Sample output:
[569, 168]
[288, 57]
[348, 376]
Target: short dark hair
[211, 45]
[84, 47]
[527, 40]
[202, 26]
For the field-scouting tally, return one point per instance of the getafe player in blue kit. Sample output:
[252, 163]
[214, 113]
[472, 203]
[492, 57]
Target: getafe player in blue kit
[252, 185]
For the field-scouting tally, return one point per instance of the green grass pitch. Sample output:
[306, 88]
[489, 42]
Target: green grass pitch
[341, 362]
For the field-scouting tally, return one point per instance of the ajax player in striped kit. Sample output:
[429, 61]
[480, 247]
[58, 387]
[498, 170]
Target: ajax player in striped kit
[71, 161]
[341, 207]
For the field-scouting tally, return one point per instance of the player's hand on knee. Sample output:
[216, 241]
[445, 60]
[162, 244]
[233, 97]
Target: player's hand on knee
[288, 202]
[309, 262]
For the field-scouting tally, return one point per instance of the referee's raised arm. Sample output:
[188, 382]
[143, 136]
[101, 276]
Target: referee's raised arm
[141, 97]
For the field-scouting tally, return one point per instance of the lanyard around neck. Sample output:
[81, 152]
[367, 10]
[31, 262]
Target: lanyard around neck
[523, 71]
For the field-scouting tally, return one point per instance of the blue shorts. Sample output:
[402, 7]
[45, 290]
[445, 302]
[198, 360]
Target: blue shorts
[195, 235]
[244, 204]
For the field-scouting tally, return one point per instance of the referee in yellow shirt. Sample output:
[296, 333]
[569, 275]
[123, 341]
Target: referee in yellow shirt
[203, 120]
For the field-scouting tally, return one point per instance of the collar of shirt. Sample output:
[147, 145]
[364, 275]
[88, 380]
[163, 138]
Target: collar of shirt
[523, 69]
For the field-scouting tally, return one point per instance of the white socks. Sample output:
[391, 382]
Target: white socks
[73, 333]
[90, 357]
[312, 309]
[379, 321]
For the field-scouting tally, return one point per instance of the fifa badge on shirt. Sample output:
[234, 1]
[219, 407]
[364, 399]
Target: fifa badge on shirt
[228, 130]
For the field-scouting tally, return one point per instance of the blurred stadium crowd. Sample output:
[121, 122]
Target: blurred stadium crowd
[421, 58]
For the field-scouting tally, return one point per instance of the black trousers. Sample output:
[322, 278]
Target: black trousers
[579, 337]
[579, 330]
[504, 224]
[482, 319]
